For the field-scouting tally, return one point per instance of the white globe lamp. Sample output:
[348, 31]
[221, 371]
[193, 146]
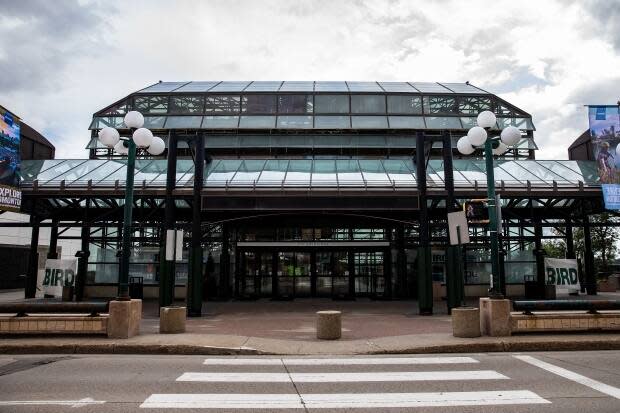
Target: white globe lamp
[477, 136]
[134, 119]
[501, 149]
[109, 136]
[486, 119]
[464, 146]
[142, 137]
[121, 149]
[157, 146]
[510, 136]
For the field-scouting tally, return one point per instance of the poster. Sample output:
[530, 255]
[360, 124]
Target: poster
[10, 195]
[57, 274]
[605, 133]
[564, 274]
[611, 196]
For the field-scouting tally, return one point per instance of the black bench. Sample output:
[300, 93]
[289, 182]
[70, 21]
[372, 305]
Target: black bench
[592, 306]
[24, 308]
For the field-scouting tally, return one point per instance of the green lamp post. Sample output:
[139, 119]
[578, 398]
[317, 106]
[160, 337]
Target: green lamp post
[498, 145]
[140, 138]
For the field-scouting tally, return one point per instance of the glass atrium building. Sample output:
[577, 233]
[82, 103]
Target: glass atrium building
[309, 189]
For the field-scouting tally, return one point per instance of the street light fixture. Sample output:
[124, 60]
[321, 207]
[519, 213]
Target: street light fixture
[497, 145]
[141, 138]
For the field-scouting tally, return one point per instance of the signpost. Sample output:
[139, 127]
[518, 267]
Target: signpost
[458, 231]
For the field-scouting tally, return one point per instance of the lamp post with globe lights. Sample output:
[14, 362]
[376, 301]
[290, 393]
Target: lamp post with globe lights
[140, 138]
[497, 145]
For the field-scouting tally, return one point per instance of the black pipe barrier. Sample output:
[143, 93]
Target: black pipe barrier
[21, 309]
[565, 305]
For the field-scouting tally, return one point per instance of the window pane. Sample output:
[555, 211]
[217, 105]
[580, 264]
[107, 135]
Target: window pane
[443, 123]
[183, 122]
[295, 104]
[220, 122]
[331, 104]
[222, 104]
[332, 122]
[407, 122]
[151, 104]
[439, 104]
[295, 122]
[258, 104]
[257, 122]
[367, 104]
[369, 122]
[404, 104]
[186, 104]
[154, 122]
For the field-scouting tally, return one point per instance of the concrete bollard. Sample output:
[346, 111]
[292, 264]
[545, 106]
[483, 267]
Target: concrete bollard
[124, 320]
[328, 325]
[172, 320]
[466, 322]
[495, 317]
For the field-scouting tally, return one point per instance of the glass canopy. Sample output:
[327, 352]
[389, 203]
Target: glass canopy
[311, 86]
[310, 173]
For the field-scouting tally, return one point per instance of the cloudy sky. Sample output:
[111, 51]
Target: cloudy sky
[62, 60]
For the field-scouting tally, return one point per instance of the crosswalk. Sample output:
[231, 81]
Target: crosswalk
[340, 383]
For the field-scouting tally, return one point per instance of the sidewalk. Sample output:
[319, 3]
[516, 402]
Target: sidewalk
[287, 328]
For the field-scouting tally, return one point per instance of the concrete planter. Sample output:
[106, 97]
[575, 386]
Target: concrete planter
[172, 320]
[328, 325]
[466, 322]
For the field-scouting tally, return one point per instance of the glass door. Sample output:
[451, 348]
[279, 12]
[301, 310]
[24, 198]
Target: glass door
[332, 276]
[250, 276]
[294, 274]
[369, 274]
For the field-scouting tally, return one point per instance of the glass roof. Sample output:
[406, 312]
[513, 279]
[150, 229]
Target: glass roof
[197, 87]
[329, 173]
[311, 86]
[163, 87]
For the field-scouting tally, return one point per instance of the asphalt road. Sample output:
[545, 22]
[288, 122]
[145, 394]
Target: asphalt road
[498, 382]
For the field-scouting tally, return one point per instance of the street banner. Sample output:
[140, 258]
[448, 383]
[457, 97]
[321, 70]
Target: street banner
[10, 195]
[611, 196]
[563, 273]
[57, 274]
[605, 133]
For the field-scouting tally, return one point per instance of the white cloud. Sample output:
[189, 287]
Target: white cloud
[537, 55]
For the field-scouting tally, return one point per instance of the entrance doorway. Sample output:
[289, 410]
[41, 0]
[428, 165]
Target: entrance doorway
[287, 273]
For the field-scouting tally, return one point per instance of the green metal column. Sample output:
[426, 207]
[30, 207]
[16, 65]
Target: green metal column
[454, 272]
[590, 271]
[80, 280]
[33, 259]
[167, 271]
[425, 275]
[195, 273]
[496, 288]
[123, 277]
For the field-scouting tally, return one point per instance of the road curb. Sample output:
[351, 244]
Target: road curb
[187, 349]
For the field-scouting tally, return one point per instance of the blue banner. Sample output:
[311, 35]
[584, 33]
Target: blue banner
[605, 132]
[611, 196]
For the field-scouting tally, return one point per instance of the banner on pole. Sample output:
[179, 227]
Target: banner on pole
[564, 274]
[10, 161]
[605, 132]
[57, 274]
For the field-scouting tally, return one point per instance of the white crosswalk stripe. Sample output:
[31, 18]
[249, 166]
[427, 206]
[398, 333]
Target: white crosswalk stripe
[341, 400]
[302, 397]
[243, 377]
[351, 361]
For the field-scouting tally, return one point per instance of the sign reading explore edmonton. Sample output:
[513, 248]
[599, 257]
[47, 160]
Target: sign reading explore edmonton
[10, 195]
[563, 273]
